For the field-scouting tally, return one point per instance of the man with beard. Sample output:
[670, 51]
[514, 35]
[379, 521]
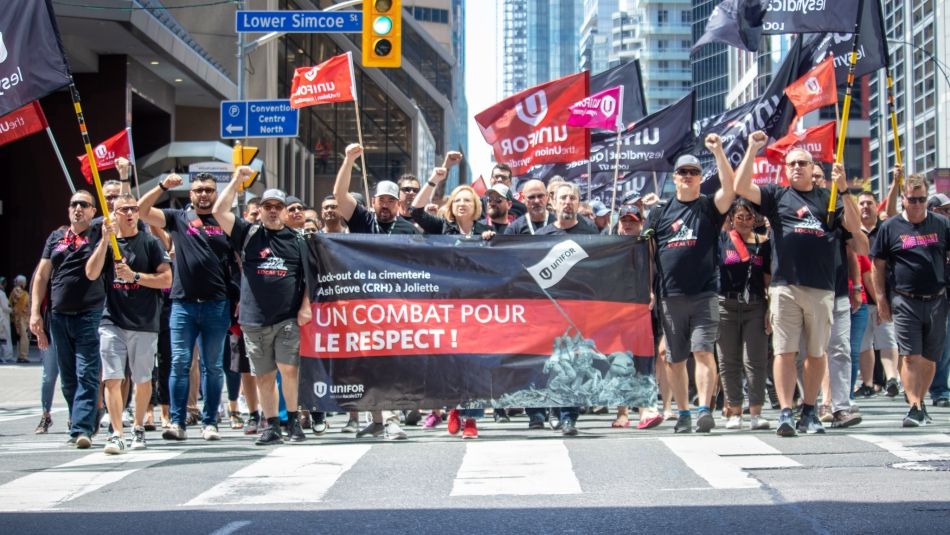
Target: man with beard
[498, 208]
[200, 308]
[537, 215]
[384, 220]
[76, 309]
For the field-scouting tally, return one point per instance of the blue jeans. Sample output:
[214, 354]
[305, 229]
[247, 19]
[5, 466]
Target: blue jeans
[859, 324]
[207, 324]
[76, 342]
[940, 387]
[48, 382]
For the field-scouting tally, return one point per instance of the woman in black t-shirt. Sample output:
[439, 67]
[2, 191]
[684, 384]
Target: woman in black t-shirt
[744, 267]
[459, 215]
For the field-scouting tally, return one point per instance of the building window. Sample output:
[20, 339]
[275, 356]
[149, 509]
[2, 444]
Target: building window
[662, 17]
[685, 17]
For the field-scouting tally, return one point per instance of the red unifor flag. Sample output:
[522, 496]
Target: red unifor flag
[815, 89]
[328, 82]
[530, 128]
[479, 186]
[106, 153]
[818, 140]
[766, 172]
[22, 122]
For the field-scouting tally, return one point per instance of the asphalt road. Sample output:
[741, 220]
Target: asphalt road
[874, 477]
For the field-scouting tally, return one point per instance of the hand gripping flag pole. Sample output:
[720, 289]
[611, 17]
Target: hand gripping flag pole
[74, 93]
[846, 112]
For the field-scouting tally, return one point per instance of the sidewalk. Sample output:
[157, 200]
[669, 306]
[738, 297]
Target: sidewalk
[20, 384]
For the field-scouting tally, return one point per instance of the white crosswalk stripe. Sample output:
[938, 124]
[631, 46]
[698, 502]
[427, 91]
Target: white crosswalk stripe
[912, 447]
[517, 467]
[55, 486]
[289, 474]
[722, 460]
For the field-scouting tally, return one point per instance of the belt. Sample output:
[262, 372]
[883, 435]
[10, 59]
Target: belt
[753, 299]
[924, 298]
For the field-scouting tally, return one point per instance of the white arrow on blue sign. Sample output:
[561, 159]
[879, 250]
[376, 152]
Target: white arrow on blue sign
[258, 118]
[298, 21]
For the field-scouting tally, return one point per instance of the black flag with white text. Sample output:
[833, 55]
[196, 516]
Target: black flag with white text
[32, 64]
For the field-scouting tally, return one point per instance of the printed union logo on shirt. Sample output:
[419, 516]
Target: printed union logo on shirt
[557, 263]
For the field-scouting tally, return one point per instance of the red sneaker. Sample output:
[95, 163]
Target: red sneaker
[454, 422]
[470, 430]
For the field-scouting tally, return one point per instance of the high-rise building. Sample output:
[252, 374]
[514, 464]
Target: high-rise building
[659, 34]
[594, 46]
[538, 42]
[709, 65]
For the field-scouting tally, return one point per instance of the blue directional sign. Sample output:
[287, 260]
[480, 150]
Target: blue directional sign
[298, 21]
[258, 118]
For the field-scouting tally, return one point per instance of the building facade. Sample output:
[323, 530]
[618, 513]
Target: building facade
[537, 42]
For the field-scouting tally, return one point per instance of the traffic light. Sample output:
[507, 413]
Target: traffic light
[243, 156]
[382, 33]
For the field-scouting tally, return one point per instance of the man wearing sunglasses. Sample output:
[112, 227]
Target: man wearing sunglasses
[537, 215]
[128, 333]
[802, 294]
[75, 312]
[200, 296]
[408, 189]
[501, 174]
[685, 246]
[910, 251]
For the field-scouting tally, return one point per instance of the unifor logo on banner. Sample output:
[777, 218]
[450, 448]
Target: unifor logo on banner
[320, 389]
[533, 109]
[101, 151]
[557, 263]
[608, 106]
[312, 73]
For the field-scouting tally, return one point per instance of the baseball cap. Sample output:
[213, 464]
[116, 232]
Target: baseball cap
[598, 208]
[500, 189]
[275, 194]
[938, 201]
[632, 196]
[290, 200]
[387, 187]
[631, 211]
[688, 160]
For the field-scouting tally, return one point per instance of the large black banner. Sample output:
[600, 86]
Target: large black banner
[627, 75]
[404, 322]
[872, 46]
[32, 64]
[651, 144]
[810, 16]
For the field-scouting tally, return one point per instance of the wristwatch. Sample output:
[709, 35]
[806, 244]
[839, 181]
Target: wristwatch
[136, 277]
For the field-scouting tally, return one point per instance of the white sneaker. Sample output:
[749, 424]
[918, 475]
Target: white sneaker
[210, 432]
[393, 431]
[734, 422]
[115, 445]
[138, 439]
[758, 423]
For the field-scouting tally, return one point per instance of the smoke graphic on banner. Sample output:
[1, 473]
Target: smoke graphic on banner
[410, 321]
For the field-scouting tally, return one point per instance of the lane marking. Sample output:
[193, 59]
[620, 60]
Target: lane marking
[912, 447]
[723, 461]
[518, 467]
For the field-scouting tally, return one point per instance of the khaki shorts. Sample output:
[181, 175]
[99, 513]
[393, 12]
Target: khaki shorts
[801, 319]
[268, 345]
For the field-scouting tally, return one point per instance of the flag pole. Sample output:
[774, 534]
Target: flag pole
[613, 201]
[135, 171]
[656, 187]
[588, 178]
[837, 104]
[843, 132]
[359, 135]
[59, 156]
[77, 106]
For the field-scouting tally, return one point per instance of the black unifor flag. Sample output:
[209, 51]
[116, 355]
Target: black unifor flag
[772, 112]
[401, 322]
[32, 64]
[735, 22]
[809, 16]
[872, 46]
[650, 144]
[628, 76]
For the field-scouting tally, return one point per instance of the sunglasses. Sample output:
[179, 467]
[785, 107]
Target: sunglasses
[799, 163]
[916, 200]
[128, 210]
[295, 209]
[81, 204]
[409, 190]
[207, 191]
[688, 171]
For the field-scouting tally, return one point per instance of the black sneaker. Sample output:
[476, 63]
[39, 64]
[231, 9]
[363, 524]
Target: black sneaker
[892, 388]
[915, 418]
[413, 417]
[927, 419]
[786, 424]
[941, 402]
[269, 437]
[810, 424]
[865, 391]
[705, 422]
[536, 423]
[684, 424]
[296, 431]
[568, 428]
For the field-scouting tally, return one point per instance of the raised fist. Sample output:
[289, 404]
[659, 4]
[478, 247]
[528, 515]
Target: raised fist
[757, 140]
[439, 174]
[452, 158]
[172, 181]
[122, 166]
[353, 151]
[243, 172]
[713, 142]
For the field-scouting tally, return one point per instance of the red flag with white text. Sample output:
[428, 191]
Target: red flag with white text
[22, 122]
[766, 172]
[106, 153]
[817, 88]
[818, 140]
[530, 127]
[328, 82]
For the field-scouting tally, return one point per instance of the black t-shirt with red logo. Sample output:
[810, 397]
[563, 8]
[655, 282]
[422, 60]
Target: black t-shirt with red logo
[70, 291]
[687, 246]
[804, 245]
[734, 272]
[130, 305]
[916, 255]
[202, 256]
[272, 268]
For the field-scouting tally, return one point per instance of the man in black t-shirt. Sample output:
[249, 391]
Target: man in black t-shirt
[804, 244]
[501, 174]
[75, 312]
[909, 270]
[537, 215]
[128, 333]
[274, 302]
[686, 239]
[200, 309]
[498, 216]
